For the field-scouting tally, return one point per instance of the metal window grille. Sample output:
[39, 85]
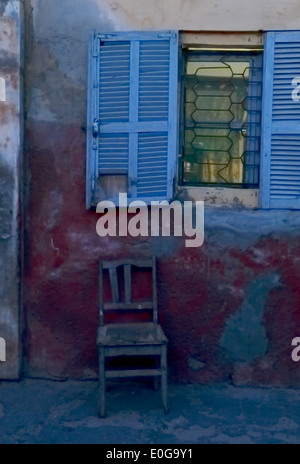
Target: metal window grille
[221, 124]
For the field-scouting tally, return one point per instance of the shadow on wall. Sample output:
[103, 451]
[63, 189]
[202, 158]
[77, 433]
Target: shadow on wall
[57, 44]
[3, 4]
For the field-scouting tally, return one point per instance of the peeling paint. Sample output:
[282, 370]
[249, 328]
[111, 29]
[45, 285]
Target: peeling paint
[245, 338]
[11, 126]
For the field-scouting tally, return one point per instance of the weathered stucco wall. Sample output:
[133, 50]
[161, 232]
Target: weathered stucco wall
[195, 15]
[11, 147]
[192, 15]
[230, 308]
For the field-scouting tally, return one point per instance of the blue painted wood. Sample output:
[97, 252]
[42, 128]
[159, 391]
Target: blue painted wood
[155, 67]
[153, 173]
[113, 157]
[134, 116]
[254, 105]
[174, 105]
[267, 119]
[137, 35]
[114, 82]
[289, 37]
[138, 102]
[281, 123]
[284, 128]
[113, 107]
[118, 128]
[92, 118]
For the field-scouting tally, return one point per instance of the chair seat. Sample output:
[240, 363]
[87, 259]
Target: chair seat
[131, 335]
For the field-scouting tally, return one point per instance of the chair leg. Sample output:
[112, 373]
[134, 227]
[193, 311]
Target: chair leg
[102, 382]
[156, 379]
[164, 378]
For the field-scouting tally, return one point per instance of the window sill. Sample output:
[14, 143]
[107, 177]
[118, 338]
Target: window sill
[222, 197]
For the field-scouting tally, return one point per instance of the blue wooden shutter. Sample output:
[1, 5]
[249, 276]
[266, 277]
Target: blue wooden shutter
[280, 180]
[133, 113]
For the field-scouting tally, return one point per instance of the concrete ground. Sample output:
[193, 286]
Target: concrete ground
[45, 412]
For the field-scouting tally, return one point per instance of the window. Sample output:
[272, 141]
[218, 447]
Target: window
[233, 102]
[133, 116]
[222, 95]
[280, 180]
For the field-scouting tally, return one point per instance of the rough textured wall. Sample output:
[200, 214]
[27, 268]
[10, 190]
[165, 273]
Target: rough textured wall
[230, 308]
[195, 15]
[10, 170]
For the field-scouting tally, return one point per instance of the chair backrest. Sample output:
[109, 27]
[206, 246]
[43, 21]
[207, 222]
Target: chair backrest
[124, 269]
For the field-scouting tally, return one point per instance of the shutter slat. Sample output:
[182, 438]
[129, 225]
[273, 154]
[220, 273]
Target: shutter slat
[281, 141]
[113, 150]
[134, 104]
[114, 75]
[152, 177]
[158, 86]
[284, 182]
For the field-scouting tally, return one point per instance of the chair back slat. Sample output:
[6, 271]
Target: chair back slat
[114, 284]
[143, 306]
[142, 263]
[128, 283]
[125, 269]
[154, 289]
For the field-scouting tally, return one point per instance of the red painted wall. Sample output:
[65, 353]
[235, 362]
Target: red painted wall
[199, 289]
[230, 308]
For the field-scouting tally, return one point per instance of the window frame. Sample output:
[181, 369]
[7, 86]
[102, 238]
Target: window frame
[136, 126]
[255, 57]
[215, 195]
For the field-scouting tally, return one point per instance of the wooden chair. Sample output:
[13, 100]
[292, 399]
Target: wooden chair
[126, 340]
